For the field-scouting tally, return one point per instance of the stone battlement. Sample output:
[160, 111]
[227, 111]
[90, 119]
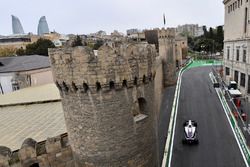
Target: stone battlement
[113, 67]
[51, 152]
[166, 33]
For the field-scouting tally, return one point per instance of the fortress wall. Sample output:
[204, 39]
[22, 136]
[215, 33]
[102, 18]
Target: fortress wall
[108, 103]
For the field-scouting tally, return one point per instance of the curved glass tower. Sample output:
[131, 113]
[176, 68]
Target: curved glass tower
[16, 25]
[43, 27]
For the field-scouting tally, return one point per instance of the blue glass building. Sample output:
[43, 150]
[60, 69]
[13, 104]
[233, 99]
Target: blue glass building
[16, 25]
[43, 27]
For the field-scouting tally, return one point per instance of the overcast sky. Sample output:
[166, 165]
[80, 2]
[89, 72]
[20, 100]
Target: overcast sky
[86, 16]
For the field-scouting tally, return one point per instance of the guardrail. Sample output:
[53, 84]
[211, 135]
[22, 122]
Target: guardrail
[169, 142]
[234, 125]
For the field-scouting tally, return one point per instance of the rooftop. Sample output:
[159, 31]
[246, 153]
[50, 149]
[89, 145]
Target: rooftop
[34, 112]
[37, 94]
[23, 63]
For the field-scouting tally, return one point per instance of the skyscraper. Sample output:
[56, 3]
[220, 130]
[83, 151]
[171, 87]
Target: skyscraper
[43, 27]
[16, 25]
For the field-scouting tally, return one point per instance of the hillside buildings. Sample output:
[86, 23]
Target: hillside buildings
[190, 29]
[237, 43]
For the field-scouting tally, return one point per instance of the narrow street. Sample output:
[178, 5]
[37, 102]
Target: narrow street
[198, 101]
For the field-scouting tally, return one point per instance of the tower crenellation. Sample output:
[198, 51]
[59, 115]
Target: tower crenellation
[166, 33]
[79, 69]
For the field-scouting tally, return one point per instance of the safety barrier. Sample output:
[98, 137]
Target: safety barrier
[234, 125]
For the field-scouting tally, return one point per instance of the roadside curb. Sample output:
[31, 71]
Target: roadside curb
[170, 135]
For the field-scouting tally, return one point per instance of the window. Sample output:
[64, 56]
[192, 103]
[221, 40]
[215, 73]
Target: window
[242, 79]
[15, 85]
[228, 53]
[227, 71]
[238, 3]
[248, 87]
[237, 55]
[228, 10]
[244, 58]
[236, 76]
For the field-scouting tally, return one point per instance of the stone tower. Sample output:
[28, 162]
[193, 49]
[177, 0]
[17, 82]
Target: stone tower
[166, 38]
[108, 103]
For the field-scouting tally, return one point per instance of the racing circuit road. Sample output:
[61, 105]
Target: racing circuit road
[198, 101]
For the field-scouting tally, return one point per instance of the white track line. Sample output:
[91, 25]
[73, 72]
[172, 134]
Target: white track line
[224, 109]
[237, 140]
[177, 106]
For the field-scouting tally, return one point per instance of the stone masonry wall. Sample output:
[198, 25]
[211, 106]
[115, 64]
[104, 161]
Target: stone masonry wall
[108, 103]
[54, 152]
[167, 52]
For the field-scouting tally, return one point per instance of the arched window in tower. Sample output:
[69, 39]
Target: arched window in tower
[142, 105]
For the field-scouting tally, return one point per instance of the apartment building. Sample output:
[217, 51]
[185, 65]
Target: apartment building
[237, 44]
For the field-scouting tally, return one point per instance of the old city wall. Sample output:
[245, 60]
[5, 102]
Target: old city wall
[167, 52]
[54, 152]
[108, 103]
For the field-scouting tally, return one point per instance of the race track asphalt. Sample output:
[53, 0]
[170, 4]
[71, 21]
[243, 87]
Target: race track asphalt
[217, 145]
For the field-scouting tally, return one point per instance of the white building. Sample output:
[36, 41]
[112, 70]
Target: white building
[237, 44]
[18, 72]
[190, 29]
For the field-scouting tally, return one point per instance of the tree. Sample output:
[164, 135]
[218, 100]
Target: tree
[211, 33]
[219, 38]
[39, 47]
[98, 44]
[20, 51]
[211, 41]
[77, 41]
[205, 31]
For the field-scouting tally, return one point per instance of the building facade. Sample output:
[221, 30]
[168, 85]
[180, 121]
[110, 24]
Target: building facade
[237, 44]
[17, 27]
[193, 30]
[19, 72]
[43, 27]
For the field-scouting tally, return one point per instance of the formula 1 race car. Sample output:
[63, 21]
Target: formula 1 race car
[190, 132]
